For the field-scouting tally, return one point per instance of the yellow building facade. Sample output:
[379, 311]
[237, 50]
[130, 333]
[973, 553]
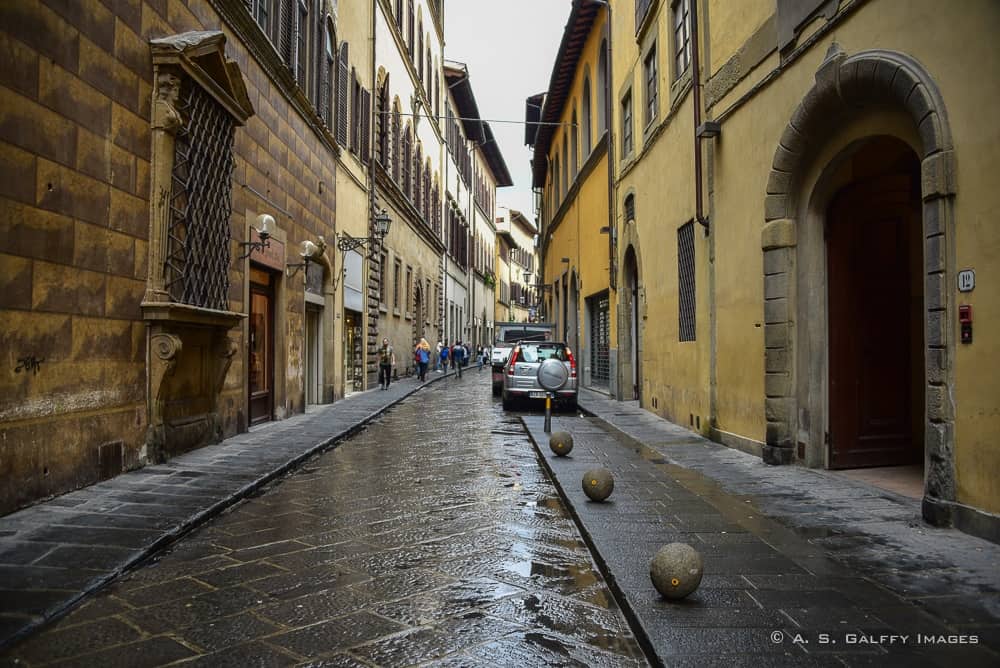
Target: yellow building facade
[567, 128]
[799, 233]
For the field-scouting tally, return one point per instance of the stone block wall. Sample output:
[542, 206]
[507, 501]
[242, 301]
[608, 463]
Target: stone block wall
[75, 150]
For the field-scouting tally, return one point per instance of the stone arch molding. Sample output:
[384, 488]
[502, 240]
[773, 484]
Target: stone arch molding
[845, 86]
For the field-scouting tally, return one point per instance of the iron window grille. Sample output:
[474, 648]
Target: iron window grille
[198, 234]
[685, 282]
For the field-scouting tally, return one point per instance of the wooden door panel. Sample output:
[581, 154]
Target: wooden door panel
[869, 338]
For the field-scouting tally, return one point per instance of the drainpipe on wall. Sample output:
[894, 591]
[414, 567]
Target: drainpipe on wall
[696, 92]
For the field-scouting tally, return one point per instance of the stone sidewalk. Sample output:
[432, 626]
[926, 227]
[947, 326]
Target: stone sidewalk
[55, 553]
[802, 567]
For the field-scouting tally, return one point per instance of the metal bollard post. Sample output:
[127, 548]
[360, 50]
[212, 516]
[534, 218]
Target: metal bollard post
[548, 412]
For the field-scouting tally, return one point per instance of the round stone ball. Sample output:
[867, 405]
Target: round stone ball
[598, 484]
[561, 442]
[676, 570]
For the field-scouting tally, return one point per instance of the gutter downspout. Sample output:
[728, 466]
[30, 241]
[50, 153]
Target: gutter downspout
[696, 92]
[371, 190]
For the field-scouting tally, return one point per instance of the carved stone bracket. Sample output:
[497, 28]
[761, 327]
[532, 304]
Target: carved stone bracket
[165, 348]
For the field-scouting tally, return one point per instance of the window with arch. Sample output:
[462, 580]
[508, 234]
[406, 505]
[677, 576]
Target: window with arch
[317, 58]
[556, 187]
[564, 185]
[420, 51]
[629, 208]
[437, 92]
[414, 193]
[426, 195]
[585, 122]
[602, 88]
[396, 139]
[327, 69]
[430, 72]
[406, 161]
[410, 27]
[574, 146]
[382, 123]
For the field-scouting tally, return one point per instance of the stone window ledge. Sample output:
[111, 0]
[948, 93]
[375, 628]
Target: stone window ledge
[191, 315]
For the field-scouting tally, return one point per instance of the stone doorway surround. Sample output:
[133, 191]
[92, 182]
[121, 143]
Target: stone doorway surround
[846, 88]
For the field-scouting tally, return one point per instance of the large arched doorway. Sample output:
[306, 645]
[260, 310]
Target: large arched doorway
[633, 373]
[854, 100]
[875, 294]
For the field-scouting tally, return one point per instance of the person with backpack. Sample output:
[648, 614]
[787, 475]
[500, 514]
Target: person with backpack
[458, 357]
[386, 360]
[443, 356]
[422, 355]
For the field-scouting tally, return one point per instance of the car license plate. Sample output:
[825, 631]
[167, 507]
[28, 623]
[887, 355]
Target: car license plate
[536, 395]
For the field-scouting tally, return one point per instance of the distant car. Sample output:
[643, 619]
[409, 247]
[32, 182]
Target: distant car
[498, 360]
[520, 378]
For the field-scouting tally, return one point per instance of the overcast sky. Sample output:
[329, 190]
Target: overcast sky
[510, 48]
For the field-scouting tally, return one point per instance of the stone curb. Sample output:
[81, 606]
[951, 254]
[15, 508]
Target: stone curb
[620, 598]
[178, 531]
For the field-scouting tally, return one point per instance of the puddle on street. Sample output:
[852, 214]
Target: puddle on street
[431, 535]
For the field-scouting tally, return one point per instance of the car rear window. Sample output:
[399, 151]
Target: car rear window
[539, 353]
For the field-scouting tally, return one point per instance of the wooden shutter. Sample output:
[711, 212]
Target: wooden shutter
[343, 72]
[366, 124]
[286, 35]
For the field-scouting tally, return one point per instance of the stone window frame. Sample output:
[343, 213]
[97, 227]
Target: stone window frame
[844, 87]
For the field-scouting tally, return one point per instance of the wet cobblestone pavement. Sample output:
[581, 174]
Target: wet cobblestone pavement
[432, 537]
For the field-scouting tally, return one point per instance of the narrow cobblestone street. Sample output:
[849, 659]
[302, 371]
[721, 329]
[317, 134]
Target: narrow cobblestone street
[432, 537]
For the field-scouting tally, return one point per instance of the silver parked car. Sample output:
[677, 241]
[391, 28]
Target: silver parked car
[520, 378]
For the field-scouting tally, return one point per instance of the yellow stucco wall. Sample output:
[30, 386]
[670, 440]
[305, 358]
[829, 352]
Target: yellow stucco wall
[577, 231]
[742, 160]
[660, 174]
[731, 29]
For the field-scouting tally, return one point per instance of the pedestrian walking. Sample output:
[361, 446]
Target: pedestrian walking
[443, 356]
[422, 354]
[437, 357]
[479, 357]
[458, 357]
[386, 360]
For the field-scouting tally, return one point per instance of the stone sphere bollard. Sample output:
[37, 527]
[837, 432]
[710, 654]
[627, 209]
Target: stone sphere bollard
[561, 442]
[676, 570]
[598, 484]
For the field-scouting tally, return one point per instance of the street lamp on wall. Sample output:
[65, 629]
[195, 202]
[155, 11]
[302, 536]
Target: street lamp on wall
[382, 221]
[265, 227]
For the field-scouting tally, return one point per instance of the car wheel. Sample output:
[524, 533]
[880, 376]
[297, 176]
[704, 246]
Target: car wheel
[508, 403]
[571, 405]
[497, 388]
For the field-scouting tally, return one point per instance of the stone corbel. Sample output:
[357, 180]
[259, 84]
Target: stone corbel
[225, 350]
[166, 348]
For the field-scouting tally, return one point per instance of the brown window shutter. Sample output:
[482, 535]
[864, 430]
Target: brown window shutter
[366, 125]
[286, 37]
[343, 72]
